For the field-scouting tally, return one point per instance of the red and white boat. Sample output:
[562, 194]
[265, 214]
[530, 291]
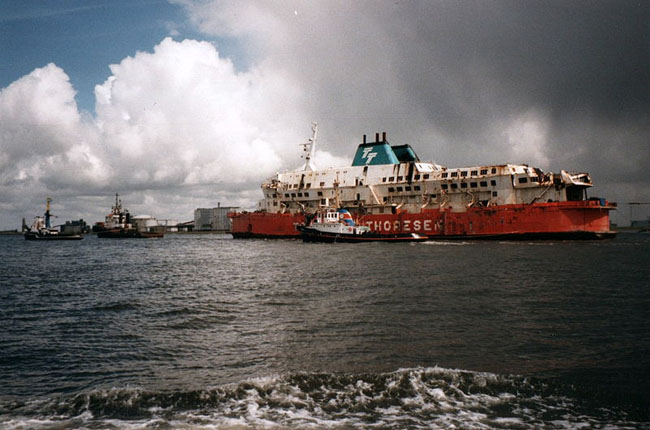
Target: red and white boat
[388, 189]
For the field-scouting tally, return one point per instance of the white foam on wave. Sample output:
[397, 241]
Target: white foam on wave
[446, 243]
[407, 398]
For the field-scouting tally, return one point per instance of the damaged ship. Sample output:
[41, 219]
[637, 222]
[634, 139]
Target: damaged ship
[390, 190]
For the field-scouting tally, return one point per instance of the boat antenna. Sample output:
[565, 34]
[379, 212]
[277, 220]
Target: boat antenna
[309, 147]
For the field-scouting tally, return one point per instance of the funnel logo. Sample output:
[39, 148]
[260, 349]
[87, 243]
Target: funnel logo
[368, 155]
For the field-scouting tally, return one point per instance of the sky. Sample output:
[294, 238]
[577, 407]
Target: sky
[183, 104]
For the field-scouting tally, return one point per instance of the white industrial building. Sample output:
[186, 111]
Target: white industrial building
[149, 223]
[213, 219]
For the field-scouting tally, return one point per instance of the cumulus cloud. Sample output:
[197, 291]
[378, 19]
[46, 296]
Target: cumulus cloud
[46, 143]
[177, 120]
[183, 115]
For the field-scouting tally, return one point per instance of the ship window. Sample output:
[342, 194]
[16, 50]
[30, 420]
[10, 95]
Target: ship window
[306, 194]
[399, 189]
[474, 172]
[444, 186]
[483, 171]
[494, 193]
[391, 179]
[286, 194]
[454, 186]
[493, 183]
[383, 179]
[426, 176]
[534, 179]
[293, 194]
[407, 188]
[323, 201]
[322, 184]
[320, 194]
[523, 180]
[494, 170]
[484, 183]
[299, 194]
[385, 199]
[417, 177]
[473, 184]
[454, 174]
[463, 184]
[463, 174]
[275, 203]
[399, 178]
[308, 185]
[416, 188]
[433, 196]
[445, 174]
[391, 189]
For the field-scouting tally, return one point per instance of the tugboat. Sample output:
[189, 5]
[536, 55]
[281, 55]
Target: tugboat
[42, 229]
[338, 226]
[118, 225]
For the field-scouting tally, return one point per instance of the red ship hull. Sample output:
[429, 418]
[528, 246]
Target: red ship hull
[569, 220]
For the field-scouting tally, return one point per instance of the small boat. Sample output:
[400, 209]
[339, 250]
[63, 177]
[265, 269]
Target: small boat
[118, 225]
[338, 226]
[42, 229]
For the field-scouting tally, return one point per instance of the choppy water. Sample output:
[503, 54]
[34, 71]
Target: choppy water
[202, 331]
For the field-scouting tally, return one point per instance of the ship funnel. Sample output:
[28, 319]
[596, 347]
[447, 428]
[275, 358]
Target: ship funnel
[376, 137]
[383, 137]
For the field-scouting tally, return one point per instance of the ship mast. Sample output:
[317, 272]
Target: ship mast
[309, 147]
[48, 224]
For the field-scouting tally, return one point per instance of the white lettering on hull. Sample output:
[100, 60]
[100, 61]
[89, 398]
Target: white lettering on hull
[397, 226]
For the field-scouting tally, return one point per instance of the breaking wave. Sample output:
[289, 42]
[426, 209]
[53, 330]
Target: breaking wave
[407, 398]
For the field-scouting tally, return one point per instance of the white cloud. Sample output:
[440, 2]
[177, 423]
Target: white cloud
[172, 119]
[183, 115]
[527, 139]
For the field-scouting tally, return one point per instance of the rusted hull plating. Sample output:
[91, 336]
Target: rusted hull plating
[554, 220]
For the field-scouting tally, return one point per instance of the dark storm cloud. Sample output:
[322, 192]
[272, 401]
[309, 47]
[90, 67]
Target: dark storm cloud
[572, 60]
[584, 67]
[555, 83]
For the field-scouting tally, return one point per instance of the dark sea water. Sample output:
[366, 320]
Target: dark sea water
[207, 332]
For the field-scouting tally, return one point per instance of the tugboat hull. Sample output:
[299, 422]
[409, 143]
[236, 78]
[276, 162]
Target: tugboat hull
[128, 234]
[36, 236]
[313, 235]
